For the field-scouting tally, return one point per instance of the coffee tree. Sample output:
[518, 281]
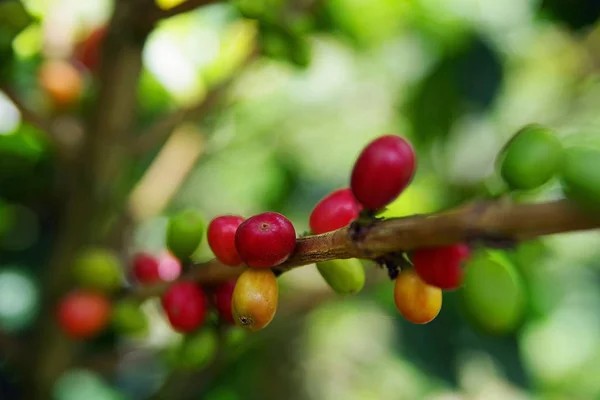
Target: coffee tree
[100, 149]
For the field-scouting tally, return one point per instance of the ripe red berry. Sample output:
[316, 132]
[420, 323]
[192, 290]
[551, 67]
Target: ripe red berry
[334, 211]
[221, 238]
[222, 297]
[146, 268]
[441, 266]
[185, 304]
[382, 171]
[82, 314]
[265, 240]
[88, 52]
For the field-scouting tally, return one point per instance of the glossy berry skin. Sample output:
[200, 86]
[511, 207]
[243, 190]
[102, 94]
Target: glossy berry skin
[441, 267]
[416, 301]
[334, 211]
[222, 298]
[265, 240]
[186, 305]
[532, 157]
[382, 171]
[146, 268]
[221, 238]
[580, 178]
[255, 299]
[83, 314]
[184, 233]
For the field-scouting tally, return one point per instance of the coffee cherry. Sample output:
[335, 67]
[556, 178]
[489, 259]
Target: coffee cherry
[127, 318]
[184, 233]
[255, 298]
[185, 304]
[146, 268]
[83, 314]
[61, 81]
[382, 171]
[265, 240]
[99, 269]
[199, 349]
[580, 177]
[88, 51]
[441, 266]
[222, 298]
[194, 351]
[493, 297]
[169, 266]
[221, 238]
[343, 276]
[418, 302]
[334, 211]
[531, 158]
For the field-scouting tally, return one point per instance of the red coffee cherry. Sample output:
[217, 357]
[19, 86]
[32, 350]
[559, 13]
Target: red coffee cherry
[146, 268]
[382, 171]
[221, 238]
[265, 240]
[441, 266]
[185, 304]
[82, 314]
[334, 211]
[222, 297]
[88, 52]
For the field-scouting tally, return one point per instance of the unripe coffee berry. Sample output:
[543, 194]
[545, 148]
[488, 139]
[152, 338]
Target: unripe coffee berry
[184, 233]
[441, 266]
[99, 269]
[185, 304]
[222, 298]
[382, 171]
[221, 238]
[532, 157]
[146, 268]
[128, 318]
[580, 177]
[255, 299]
[417, 301]
[343, 276]
[265, 240]
[334, 211]
[83, 314]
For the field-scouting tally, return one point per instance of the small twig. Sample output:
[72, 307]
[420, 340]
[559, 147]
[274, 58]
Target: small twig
[499, 219]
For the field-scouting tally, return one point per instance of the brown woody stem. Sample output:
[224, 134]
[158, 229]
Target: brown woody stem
[482, 219]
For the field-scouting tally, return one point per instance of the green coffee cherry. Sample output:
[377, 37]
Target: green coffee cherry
[194, 351]
[128, 318]
[98, 268]
[532, 157]
[580, 177]
[184, 233]
[343, 276]
[493, 295]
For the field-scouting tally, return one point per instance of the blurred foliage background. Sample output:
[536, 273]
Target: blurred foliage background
[456, 77]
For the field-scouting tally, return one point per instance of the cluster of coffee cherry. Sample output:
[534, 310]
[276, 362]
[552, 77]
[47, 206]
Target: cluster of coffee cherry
[383, 170]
